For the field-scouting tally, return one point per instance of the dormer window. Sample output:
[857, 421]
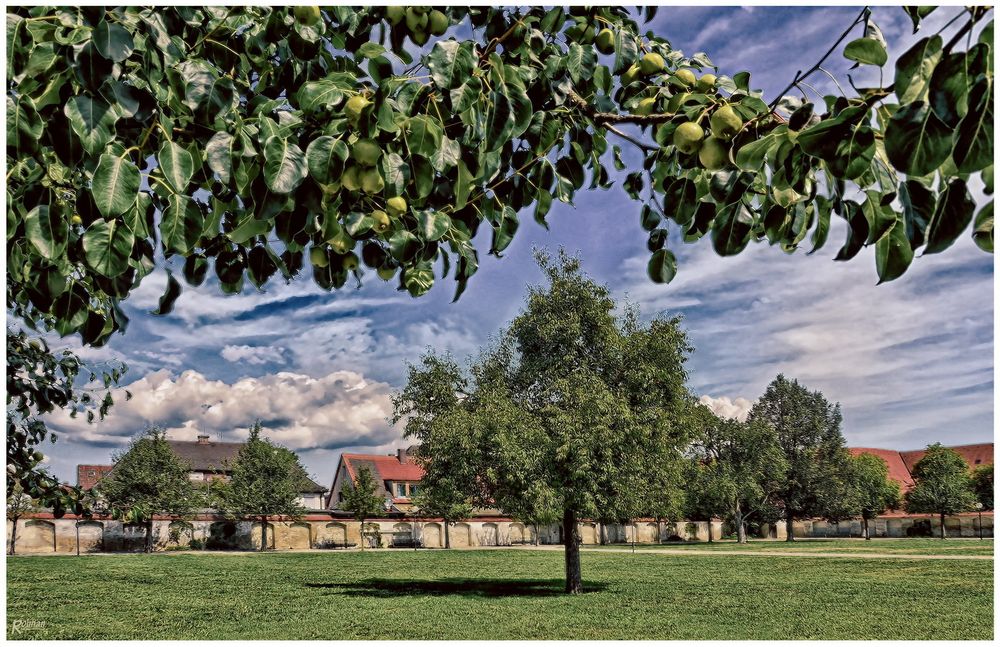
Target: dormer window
[400, 489]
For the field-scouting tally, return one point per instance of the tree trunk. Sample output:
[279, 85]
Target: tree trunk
[13, 538]
[571, 540]
[864, 523]
[535, 526]
[788, 528]
[943, 536]
[659, 532]
[741, 526]
[710, 530]
[361, 534]
[447, 534]
[149, 536]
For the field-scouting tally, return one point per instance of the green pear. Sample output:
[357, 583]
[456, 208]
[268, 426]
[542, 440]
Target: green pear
[706, 83]
[351, 180]
[419, 37]
[366, 152]
[341, 243]
[307, 16]
[714, 154]
[438, 22]
[396, 206]
[350, 262]
[652, 63]
[605, 41]
[394, 13]
[726, 123]
[381, 221]
[645, 106]
[415, 20]
[685, 77]
[630, 75]
[371, 181]
[318, 257]
[354, 108]
[688, 137]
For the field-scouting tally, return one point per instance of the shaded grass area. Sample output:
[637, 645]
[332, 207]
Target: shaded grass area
[912, 546]
[495, 594]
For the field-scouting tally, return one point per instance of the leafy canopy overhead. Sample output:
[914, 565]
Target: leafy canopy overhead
[247, 140]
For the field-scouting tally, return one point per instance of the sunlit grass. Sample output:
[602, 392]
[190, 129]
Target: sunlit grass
[496, 594]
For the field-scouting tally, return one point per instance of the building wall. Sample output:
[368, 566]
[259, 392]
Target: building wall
[960, 525]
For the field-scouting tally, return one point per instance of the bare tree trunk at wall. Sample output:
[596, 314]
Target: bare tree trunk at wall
[659, 532]
[263, 533]
[710, 531]
[535, 526]
[13, 538]
[447, 534]
[788, 528]
[361, 534]
[78, 538]
[943, 536]
[149, 536]
[571, 536]
[868, 532]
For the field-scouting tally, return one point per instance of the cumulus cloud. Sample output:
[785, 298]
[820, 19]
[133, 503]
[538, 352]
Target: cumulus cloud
[724, 407]
[341, 409]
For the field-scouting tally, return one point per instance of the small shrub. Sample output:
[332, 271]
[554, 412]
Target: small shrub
[197, 544]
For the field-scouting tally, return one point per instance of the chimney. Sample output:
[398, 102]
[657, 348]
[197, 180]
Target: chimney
[202, 440]
[401, 455]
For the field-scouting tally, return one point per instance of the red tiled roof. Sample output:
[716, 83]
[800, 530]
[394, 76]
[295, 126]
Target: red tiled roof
[87, 476]
[974, 455]
[897, 468]
[385, 468]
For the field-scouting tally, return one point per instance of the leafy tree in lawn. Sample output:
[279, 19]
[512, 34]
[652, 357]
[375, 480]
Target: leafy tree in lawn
[982, 484]
[148, 479]
[737, 472]
[808, 432]
[18, 505]
[246, 140]
[363, 500]
[874, 491]
[449, 458]
[572, 408]
[941, 484]
[266, 481]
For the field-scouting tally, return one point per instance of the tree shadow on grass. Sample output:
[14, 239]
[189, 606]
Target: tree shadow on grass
[489, 588]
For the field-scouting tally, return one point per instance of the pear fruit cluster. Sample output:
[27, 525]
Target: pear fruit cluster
[419, 23]
[713, 151]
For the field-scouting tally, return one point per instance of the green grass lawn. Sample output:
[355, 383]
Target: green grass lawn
[496, 594]
[911, 546]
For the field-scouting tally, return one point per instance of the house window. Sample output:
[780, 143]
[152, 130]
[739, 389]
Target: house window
[413, 489]
[400, 490]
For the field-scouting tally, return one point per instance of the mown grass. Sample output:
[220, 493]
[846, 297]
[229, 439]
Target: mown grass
[912, 546]
[496, 594]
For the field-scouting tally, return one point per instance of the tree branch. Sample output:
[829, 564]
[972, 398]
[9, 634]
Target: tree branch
[800, 76]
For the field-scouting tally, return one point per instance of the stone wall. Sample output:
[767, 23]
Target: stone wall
[43, 534]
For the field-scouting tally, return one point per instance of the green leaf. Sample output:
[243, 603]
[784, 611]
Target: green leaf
[450, 63]
[47, 231]
[325, 157]
[181, 224]
[115, 185]
[918, 208]
[916, 141]
[173, 291]
[284, 165]
[219, 155]
[107, 245]
[423, 175]
[177, 165]
[432, 225]
[504, 230]
[662, 266]
[499, 122]
[951, 81]
[319, 95]
[982, 229]
[731, 229]
[446, 155]
[914, 69]
[113, 41]
[24, 125]
[824, 209]
[893, 253]
[463, 185]
[423, 136]
[418, 279]
[974, 140]
[857, 231]
[867, 51]
[92, 121]
[209, 97]
[953, 214]
[397, 173]
[916, 14]
[750, 157]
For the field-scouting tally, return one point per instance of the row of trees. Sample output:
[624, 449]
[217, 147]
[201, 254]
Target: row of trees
[149, 480]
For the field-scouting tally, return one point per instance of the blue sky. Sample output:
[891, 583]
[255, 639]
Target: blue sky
[911, 362]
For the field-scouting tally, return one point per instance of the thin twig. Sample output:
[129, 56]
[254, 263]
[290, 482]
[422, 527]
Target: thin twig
[800, 76]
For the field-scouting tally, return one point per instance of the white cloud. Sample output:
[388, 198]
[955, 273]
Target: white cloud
[723, 407]
[255, 355]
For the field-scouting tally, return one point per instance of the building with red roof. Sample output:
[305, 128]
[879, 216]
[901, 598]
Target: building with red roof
[397, 477]
[901, 464]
